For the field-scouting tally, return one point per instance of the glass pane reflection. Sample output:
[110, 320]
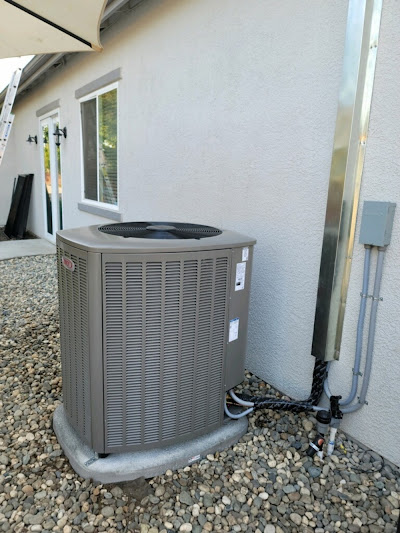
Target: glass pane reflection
[59, 181]
[47, 178]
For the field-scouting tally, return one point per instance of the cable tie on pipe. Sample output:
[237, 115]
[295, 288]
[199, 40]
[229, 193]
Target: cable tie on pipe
[357, 373]
[312, 445]
[380, 298]
[364, 295]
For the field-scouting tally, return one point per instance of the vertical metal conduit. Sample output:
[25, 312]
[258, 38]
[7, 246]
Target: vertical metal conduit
[348, 154]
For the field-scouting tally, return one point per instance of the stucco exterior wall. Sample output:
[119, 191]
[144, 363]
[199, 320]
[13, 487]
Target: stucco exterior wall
[227, 116]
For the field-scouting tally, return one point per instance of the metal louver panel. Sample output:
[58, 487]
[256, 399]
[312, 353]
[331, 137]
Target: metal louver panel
[114, 330]
[219, 321]
[73, 302]
[188, 348]
[153, 351]
[165, 324]
[134, 345]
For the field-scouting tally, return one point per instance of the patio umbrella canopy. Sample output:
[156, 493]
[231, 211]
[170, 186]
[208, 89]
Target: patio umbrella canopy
[30, 27]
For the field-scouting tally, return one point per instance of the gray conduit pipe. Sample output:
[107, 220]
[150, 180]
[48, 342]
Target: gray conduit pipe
[360, 333]
[239, 400]
[240, 415]
[371, 335]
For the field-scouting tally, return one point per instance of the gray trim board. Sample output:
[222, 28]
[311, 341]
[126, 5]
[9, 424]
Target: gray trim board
[95, 85]
[48, 107]
[100, 211]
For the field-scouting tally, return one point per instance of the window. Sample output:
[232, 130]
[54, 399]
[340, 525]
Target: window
[100, 146]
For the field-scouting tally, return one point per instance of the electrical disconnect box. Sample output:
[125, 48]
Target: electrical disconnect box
[377, 223]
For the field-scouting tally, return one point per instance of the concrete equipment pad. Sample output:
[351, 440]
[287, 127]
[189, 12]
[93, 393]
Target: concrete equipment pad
[22, 248]
[128, 466]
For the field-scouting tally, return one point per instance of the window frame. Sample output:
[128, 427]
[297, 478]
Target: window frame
[91, 96]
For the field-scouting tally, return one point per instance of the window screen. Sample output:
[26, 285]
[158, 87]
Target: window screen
[99, 135]
[107, 108]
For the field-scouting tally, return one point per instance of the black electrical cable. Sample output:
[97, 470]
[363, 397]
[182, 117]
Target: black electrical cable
[277, 404]
[282, 405]
[319, 377]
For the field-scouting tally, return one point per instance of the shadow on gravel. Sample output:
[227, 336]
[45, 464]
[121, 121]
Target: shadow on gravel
[136, 490]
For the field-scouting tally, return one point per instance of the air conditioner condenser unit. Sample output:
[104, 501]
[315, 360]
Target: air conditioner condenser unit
[153, 323]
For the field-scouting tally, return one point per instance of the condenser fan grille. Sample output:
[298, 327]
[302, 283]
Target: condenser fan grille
[160, 230]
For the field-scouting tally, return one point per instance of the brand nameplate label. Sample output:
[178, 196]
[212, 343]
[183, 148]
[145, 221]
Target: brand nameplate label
[69, 265]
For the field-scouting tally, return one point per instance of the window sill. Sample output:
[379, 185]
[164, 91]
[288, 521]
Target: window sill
[100, 211]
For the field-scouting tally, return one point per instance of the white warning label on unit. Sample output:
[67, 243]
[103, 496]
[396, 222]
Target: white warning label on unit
[240, 276]
[233, 329]
[245, 253]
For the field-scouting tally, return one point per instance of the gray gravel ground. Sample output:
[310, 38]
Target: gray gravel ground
[264, 484]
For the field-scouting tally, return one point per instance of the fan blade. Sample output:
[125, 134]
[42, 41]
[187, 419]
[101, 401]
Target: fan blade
[180, 234]
[162, 234]
[140, 234]
[150, 234]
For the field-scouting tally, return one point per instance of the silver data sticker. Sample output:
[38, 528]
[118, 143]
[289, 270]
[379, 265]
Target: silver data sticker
[233, 329]
[245, 253]
[240, 276]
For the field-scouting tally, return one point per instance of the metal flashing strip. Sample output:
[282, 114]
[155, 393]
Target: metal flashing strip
[348, 155]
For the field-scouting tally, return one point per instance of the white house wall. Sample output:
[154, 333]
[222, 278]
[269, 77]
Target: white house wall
[227, 116]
